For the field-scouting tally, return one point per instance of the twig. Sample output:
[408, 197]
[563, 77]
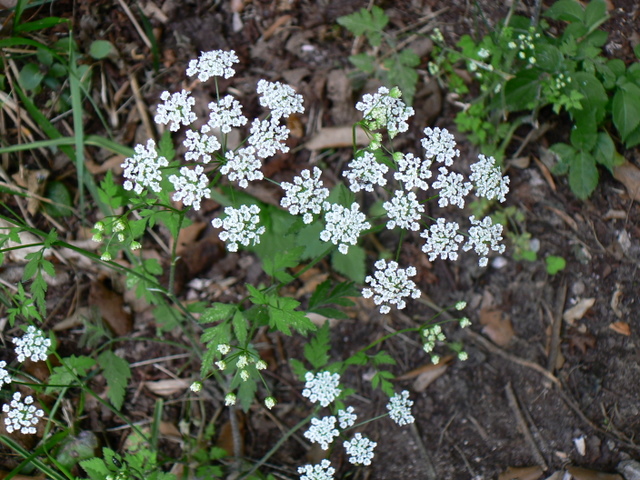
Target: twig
[556, 322]
[522, 424]
[136, 25]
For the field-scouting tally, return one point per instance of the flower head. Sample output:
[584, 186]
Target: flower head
[413, 172]
[383, 110]
[21, 416]
[442, 239]
[390, 285]
[230, 399]
[200, 145]
[195, 387]
[190, 186]
[365, 172]
[305, 195]
[4, 374]
[343, 225]
[243, 166]
[360, 450]
[225, 114]
[482, 236]
[440, 145]
[452, 188]
[321, 387]
[322, 471]
[32, 345]
[240, 226]
[267, 137]
[269, 402]
[403, 211]
[217, 63]
[176, 110]
[322, 431]
[399, 407]
[347, 418]
[281, 99]
[488, 180]
[143, 169]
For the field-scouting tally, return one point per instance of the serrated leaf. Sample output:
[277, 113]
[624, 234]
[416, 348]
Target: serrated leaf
[326, 295]
[625, 109]
[309, 238]
[594, 96]
[95, 468]
[359, 358]
[316, 351]
[117, 373]
[548, 57]
[246, 394]
[583, 175]
[595, 14]
[61, 375]
[567, 10]
[383, 358]
[216, 335]
[283, 316]
[298, 368]
[604, 151]
[363, 22]
[240, 327]
[363, 62]
[275, 265]
[522, 91]
[217, 312]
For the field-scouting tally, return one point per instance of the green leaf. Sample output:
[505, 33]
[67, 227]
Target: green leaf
[316, 351]
[283, 316]
[366, 23]
[583, 134]
[217, 312]
[604, 151]
[567, 10]
[298, 368]
[61, 375]
[326, 295]
[117, 373]
[555, 264]
[58, 193]
[95, 468]
[214, 336]
[522, 91]
[363, 62]
[275, 266]
[548, 57]
[352, 264]
[594, 96]
[240, 327]
[625, 109]
[382, 358]
[309, 237]
[583, 175]
[30, 76]
[595, 14]
[401, 72]
[100, 49]
[246, 394]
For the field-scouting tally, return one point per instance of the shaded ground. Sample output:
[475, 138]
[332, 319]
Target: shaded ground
[503, 407]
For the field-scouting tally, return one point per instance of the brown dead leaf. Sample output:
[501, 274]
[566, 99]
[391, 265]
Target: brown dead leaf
[521, 473]
[545, 173]
[621, 327]
[579, 473]
[169, 429]
[167, 387]
[578, 310]
[225, 438]
[629, 175]
[425, 368]
[295, 126]
[426, 378]
[110, 305]
[275, 26]
[565, 217]
[3, 474]
[336, 137]
[615, 301]
[497, 326]
[188, 236]
[581, 340]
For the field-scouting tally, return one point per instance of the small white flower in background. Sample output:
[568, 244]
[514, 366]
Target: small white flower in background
[404, 211]
[461, 305]
[143, 168]
[365, 172]
[105, 257]
[322, 471]
[243, 361]
[412, 171]
[482, 236]
[281, 99]
[442, 239]
[221, 364]
[322, 431]
[226, 114]
[465, 322]
[440, 145]
[224, 348]
[488, 180]
[217, 63]
[347, 418]
[267, 137]
[190, 186]
[321, 387]
[32, 345]
[240, 226]
[21, 417]
[305, 195]
[484, 53]
[176, 110]
[244, 375]
[230, 399]
[269, 402]
[4, 375]
[399, 407]
[360, 450]
[200, 145]
[243, 166]
[196, 387]
[343, 225]
[390, 285]
[261, 365]
[452, 188]
[385, 109]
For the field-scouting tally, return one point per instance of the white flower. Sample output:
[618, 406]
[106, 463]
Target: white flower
[322, 471]
[242, 166]
[488, 179]
[321, 387]
[226, 114]
[366, 172]
[269, 402]
[190, 186]
[261, 365]
[412, 171]
[343, 225]
[281, 99]
[403, 211]
[383, 110]
[4, 375]
[484, 53]
[442, 239]
[360, 450]
[196, 387]
[482, 236]
[242, 362]
[461, 305]
[144, 169]
[224, 348]
[440, 145]
[347, 418]
[305, 195]
[199, 144]
[176, 110]
[390, 285]
[240, 226]
[399, 407]
[230, 399]
[452, 188]
[244, 375]
[32, 345]
[21, 416]
[322, 431]
[268, 137]
[217, 63]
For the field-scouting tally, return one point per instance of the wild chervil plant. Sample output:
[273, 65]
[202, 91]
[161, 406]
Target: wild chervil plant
[315, 221]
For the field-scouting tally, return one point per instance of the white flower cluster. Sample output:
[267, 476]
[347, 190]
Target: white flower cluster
[4, 375]
[399, 407]
[281, 99]
[385, 110]
[483, 235]
[366, 172]
[390, 285]
[217, 63]
[488, 180]
[347, 418]
[413, 172]
[176, 110]
[240, 226]
[321, 387]
[322, 431]
[306, 195]
[322, 471]
[144, 169]
[32, 345]
[361, 450]
[267, 137]
[200, 145]
[440, 145]
[243, 166]
[21, 416]
[452, 188]
[404, 211]
[225, 114]
[442, 239]
[343, 225]
[190, 186]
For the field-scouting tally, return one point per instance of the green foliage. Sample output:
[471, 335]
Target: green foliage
[281, 312]
[555, 264]
[117, 373]
[316, 351]
[72, 370]
[326, 295]
[365, 22]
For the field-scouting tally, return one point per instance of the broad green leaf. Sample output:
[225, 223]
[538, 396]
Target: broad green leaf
[595, 14]
[214, 336]
[352, 264]
[595, 97]
[401, 72]
[567, 10]
[555, 264]
[117, 373]
[276, 265]
[605, 152]
[548, 57]
[30, 76]
[309, 238]
[95, 468]
[100, 49]
[625, 109]
[522, 91]
[283, 316]
[58, 193]
[583, 134]
[364, 22]
[583, 175]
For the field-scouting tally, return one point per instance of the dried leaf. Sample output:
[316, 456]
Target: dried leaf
[621, 327]
[545, 173]
[336, 137]
[225, 438]
[578, 310]
[169, 429]
[275, 26]
[579, 473]
[167, 387]
[497, 326]
[521, 473]
[110, 304]
[428, 377]
[425, 368]
[629, 175]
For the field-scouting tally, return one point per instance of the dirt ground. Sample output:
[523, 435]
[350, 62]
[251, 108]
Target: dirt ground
[536, 391]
